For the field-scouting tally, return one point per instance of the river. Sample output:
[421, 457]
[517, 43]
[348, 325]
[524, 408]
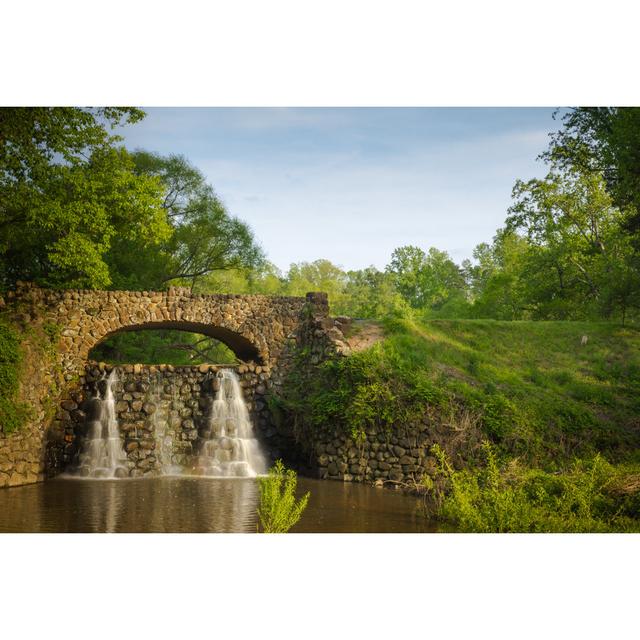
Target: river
[200, 505]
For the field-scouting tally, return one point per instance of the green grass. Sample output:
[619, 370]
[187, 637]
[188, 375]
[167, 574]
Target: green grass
[540, 392]
[562, 417]
[535, 389]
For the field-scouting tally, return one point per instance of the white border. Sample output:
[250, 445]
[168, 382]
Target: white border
[297, 53]
[322, 53]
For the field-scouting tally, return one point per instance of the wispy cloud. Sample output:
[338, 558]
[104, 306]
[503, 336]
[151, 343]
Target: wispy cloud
[352, 185]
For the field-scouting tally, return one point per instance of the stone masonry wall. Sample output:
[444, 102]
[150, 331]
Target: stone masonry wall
[23, 453]
[267, 333]
[398, 455]
[163, 412]
[261, 330]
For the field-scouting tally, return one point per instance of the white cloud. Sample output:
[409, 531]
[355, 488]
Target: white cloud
[352, 185]
[355, 211]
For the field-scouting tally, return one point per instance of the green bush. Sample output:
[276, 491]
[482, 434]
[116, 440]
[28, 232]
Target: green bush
[536, 393]
[498, 416]
[375, 388]
[279, 510]
[498, 499]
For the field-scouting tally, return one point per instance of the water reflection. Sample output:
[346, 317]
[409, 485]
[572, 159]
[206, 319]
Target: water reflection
[336, 507]
[198, 505]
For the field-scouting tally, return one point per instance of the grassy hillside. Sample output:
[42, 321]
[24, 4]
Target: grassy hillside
[545, 417]
[539, 390]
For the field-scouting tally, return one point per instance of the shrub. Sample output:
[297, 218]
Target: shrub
[376, 388]
[12, 413]
[497, 499]
[279, 510]
[499, 416]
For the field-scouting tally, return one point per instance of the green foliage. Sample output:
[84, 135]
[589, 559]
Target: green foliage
[507, 498]
[79, 211]
[374, 388]
[498, 282]
[32, 137]
[279, 509]
[204, 237]
[66, 191]
[578, 257]
[426, 281]
[532, 387]
[321, 275]
[604, 140]
[499, 416]
[264, 278]
[158, 346]
[579, 397]
[369, 293]
[12, 412]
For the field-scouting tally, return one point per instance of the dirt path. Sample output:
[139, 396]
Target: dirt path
[362, 334]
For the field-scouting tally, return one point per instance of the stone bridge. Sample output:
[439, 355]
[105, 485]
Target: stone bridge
[260, 330]
[255, 327]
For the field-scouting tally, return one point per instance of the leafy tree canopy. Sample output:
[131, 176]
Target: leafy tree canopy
[577, 243]
[604, 140]
[205, 239]
[66, 191]
[426, 280]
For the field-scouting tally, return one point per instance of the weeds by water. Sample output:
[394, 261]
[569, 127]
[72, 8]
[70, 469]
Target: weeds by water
[279, 510]
[497, 498]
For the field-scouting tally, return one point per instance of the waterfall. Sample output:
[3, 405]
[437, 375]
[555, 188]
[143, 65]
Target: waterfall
[163, 437]
[230, 448]
[102, 454]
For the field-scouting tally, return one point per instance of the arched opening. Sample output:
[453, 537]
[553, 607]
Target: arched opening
[168, 398]
[177, 343]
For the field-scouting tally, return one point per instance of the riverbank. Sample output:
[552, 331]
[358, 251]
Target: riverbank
[558, 403]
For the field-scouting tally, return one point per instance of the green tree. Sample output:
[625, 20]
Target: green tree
[426, 280]
[320, 275]
[501, 280]
[162, 346]
[570, 221]
[606, 141]
[264, 279]
[406, 268]
[205, 239]
[66, 191]
[370, 293]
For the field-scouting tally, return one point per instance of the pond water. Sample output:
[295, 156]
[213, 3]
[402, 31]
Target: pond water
[200, 505]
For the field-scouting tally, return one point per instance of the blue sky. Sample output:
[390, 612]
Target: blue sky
[352, 184]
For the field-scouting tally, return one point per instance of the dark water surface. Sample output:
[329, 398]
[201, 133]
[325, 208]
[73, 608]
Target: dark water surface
[199, 505]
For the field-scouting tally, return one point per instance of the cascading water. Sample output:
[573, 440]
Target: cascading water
[231, 448]
[163, 437]
[102, 454]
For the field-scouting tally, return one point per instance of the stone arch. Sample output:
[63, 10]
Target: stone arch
[242, 347]
[262, 330]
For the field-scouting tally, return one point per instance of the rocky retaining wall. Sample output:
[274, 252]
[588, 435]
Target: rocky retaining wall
[400, 455]
[23, 452]
[162, 411]
[263, 331]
